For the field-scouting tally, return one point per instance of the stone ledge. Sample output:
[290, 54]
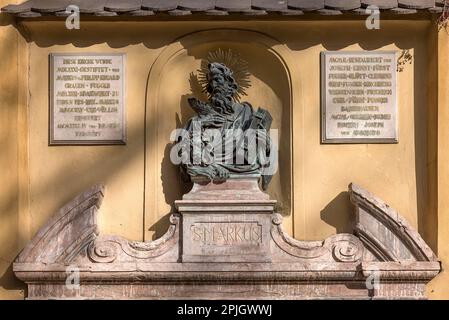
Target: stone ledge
[235, 254]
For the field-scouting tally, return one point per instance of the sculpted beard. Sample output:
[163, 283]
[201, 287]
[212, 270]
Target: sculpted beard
[222, 89]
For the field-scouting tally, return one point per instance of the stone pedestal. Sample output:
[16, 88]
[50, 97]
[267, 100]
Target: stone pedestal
[226, 222]
[227, 242]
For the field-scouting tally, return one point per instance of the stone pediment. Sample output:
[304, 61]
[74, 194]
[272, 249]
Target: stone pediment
[236, 244]
[387, 235]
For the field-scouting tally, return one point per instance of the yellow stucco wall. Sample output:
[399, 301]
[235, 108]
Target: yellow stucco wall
[313, 179]
[11, 153]
[439, 288]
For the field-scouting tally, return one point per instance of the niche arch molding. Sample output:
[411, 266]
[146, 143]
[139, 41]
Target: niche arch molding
[216, 38]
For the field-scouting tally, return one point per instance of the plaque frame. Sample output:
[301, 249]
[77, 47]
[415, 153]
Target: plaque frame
[324, 139]
[51, 140]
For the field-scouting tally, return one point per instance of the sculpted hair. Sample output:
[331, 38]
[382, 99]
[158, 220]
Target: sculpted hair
[222, 87]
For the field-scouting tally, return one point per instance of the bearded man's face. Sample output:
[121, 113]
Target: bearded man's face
[216, 78]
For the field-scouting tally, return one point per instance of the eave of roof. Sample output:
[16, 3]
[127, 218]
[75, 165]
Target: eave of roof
[236, 9]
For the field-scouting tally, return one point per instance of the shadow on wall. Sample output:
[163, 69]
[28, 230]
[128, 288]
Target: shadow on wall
[173, 186]
[423, 147]
[116, 34]
[6, 20]
[339, 213]
[9, 282]
[8, 201]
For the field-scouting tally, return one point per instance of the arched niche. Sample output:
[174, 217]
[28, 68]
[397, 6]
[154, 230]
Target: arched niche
[172, 79]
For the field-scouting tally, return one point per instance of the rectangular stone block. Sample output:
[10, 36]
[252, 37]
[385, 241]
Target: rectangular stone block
[226, 237]
[87, 99]
[358, 97]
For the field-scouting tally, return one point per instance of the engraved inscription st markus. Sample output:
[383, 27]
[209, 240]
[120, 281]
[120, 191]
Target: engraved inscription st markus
[226, 233]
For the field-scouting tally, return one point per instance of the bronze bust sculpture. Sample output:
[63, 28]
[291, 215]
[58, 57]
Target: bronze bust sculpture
[226, 138]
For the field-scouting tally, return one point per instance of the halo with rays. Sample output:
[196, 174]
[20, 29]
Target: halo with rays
[234, 62]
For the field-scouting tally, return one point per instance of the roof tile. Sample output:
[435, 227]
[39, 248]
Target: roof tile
[196, 5]
[50, 6]
[233, 5]
[291, 12]
[178, 13]
[105, 14]
[416, 4]
[34, 8]
[216, 13]
[254, 12]
[18, 8]
[403, 11]
[270, 5]
[141, 13]
[306, 5]
[90, 6]
[381, 4]
[361, 12]
[436, 10]
[342, 4]
[122, 5]
[329, 12]
[29, 14]
[159, 5]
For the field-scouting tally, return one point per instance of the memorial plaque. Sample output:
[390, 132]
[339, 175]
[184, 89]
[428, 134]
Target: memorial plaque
[358, 93]
[87, 99]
